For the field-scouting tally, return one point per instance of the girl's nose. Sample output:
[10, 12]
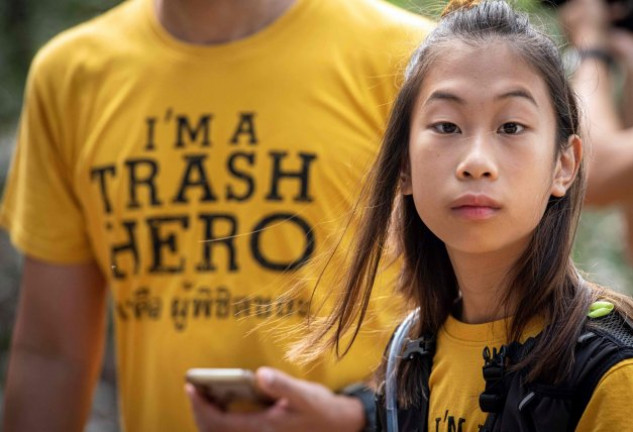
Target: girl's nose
[478, 161]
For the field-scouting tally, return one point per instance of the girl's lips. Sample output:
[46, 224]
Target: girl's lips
[475, 200]
[475, 206]
[475, 212]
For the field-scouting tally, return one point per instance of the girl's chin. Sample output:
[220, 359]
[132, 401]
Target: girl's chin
[489, 246]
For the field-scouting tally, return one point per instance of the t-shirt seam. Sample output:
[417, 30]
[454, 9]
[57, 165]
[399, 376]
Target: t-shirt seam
[31, 243]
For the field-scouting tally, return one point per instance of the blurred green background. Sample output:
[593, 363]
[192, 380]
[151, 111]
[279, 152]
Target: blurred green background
[28, 24]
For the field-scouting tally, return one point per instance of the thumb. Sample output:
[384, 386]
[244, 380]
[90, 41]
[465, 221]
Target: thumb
[299, 393]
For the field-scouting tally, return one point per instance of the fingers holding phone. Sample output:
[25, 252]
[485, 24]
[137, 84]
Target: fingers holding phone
[229, 400]
[298, 405]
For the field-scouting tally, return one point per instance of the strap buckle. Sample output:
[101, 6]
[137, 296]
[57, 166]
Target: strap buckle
[423, 346]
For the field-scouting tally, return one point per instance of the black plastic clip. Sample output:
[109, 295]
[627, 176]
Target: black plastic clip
[493, 398]
[422, 346]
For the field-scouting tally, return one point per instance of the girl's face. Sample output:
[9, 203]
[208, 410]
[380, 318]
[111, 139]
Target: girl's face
[482, 159]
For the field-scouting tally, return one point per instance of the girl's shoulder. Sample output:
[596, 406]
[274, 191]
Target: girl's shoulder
[604, 347]
[609, 406]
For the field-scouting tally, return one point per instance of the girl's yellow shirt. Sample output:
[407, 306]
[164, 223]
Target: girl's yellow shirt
[456, 381]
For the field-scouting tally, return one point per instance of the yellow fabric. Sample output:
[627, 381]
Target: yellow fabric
[456, 381]
[136, 150]
[610, 404]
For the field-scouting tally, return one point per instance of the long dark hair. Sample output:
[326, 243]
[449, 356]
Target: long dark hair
[543, 281]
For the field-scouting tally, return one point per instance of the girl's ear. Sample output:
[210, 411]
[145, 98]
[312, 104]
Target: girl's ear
[567, 166]
[405, 179]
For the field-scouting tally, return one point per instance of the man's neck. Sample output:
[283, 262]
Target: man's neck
[209, 22]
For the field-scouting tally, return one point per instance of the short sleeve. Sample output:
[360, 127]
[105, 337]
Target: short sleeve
[40, 210]
[609, 407]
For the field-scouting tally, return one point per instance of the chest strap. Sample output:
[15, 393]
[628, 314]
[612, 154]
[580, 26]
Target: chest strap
[493, 398]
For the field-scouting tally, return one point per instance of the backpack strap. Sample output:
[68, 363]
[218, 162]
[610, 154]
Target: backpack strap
[493, 398]
[606, 341]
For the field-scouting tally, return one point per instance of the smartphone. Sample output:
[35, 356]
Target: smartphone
[230, 389]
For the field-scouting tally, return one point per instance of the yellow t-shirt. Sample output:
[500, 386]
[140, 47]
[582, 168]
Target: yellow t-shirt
[456, 381]
[196, 175]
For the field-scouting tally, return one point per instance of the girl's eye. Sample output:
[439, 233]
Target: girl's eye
[446, 128]
[511, 128]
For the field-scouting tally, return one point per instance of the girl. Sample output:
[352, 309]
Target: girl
[480, 180]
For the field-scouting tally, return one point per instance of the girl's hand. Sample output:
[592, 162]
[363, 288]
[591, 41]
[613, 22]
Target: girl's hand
[301, 406]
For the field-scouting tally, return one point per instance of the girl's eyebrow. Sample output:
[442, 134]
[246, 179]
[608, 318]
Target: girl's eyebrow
[518, 93]
[444, 95]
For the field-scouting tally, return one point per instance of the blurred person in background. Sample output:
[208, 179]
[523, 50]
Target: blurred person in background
[601, 33]
[187, 157]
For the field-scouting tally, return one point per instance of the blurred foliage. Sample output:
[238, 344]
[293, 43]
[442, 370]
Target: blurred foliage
[600, 250]
[25, 26]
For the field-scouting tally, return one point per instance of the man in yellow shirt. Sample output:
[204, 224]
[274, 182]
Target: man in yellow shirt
[190, 157]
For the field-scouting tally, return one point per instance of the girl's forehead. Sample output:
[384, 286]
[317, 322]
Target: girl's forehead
[481, 69]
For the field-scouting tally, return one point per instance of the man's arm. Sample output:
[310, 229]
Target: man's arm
[608, 144]
[57, 347]
[611, 170]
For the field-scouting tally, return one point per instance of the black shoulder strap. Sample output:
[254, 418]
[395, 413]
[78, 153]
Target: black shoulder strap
[605, 342]
[493, 399]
